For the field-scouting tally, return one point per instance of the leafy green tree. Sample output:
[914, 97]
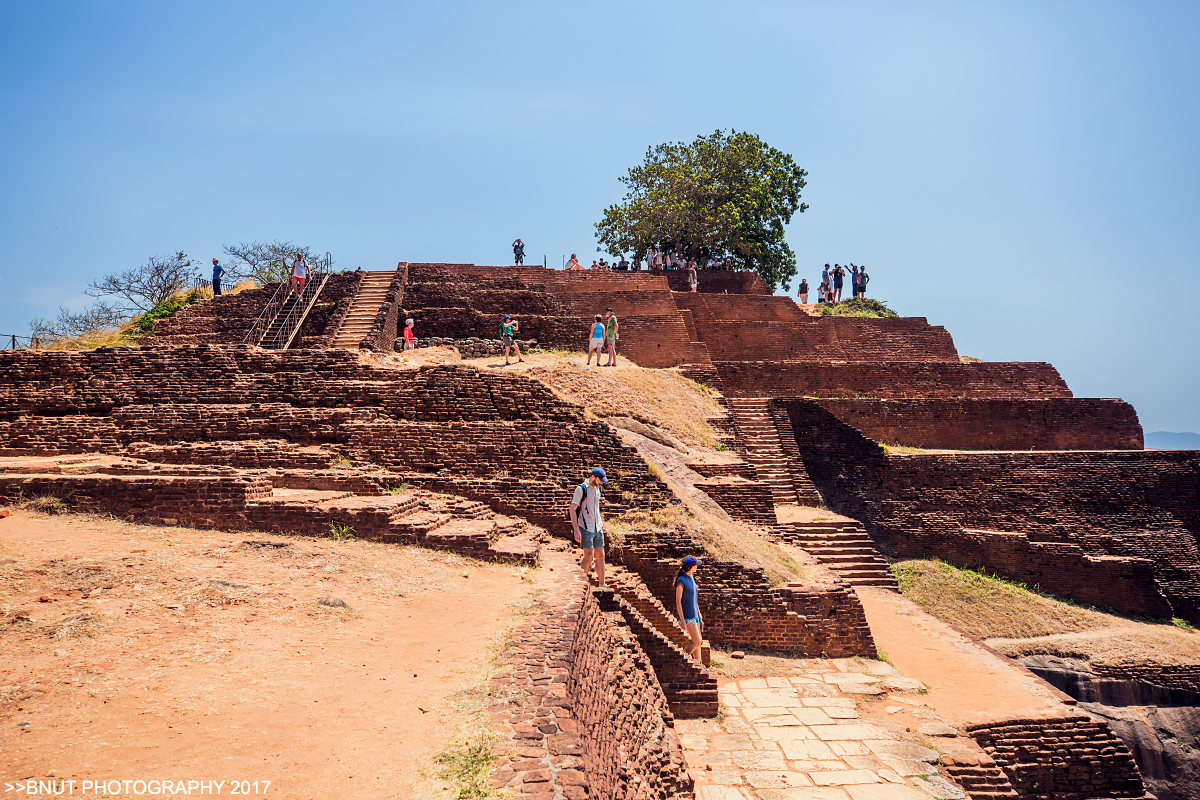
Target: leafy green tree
[723, 195]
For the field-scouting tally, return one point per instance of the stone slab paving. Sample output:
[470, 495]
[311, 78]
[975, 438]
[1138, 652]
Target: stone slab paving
[834, 729]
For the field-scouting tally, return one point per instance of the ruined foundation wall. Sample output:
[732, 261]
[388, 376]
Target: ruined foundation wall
[1111, 528]
[631, 749]
[1057, 757]
[889, 379]
[993, 424]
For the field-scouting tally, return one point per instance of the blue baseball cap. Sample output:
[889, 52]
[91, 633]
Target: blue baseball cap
[689, 561]
[599, 473]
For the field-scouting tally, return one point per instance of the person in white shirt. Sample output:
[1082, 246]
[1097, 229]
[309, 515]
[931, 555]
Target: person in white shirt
[299, 274]
[588, 524]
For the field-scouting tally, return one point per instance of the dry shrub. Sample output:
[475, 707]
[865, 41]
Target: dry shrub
[45, 504]
[76, 626]
[724, 540]
[1136, 643]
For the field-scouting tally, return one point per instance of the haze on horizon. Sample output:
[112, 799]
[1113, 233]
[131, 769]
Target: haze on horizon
[1022, 173]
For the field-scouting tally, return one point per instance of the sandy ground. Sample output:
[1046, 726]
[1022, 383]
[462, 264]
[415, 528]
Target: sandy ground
[966, 682]
[178, 676]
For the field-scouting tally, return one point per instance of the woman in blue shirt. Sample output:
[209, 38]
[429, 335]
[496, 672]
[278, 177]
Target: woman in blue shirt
[686, 605]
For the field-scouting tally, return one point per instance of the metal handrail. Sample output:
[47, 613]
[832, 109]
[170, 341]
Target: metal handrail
[12, 341]
[293, 317]
[278, 300]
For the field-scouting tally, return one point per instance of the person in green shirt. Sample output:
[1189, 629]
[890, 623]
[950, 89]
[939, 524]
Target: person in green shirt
[611, 329]
[508, 337]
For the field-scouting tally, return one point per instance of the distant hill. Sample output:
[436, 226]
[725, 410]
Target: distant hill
[1165, 440]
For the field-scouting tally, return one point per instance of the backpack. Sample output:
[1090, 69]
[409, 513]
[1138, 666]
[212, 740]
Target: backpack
[582, 500]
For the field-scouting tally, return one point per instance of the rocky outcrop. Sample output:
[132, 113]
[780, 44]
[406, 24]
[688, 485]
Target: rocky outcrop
[1159, 724]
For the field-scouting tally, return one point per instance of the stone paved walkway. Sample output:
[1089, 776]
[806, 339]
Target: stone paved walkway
[837, 729]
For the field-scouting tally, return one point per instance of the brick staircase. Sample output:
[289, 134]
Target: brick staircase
[758, 439]
[844, 547]
[370, 298]
[980, 776]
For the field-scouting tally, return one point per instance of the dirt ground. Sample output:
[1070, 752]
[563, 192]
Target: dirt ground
[132, 652]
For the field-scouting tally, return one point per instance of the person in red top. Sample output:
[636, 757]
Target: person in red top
[410, 341]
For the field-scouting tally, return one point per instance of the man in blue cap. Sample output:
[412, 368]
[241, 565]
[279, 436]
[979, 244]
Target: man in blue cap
[587, 523]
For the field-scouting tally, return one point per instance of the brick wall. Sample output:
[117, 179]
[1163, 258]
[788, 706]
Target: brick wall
[749, 501]
[690, 689]
[1110, 528]
[717, 281]
[631, 749]
[195, 500]
[1061, 757]
[741, 609]
[825, 339]
[95, 382]
[228, 318]
[761, 307]
[979, 424]
[890, 379]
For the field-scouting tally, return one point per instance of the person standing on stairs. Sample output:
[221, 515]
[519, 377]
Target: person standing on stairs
[587, 523]
[218, 271]
[299, 274]
[686, 606]
[410, 341]
[692, 280]
[519, 252]
[611, 333]
[803, 291]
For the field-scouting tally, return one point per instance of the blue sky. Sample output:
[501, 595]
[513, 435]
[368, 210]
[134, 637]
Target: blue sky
[1023, 173]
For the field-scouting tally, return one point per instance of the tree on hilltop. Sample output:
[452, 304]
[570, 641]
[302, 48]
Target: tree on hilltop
[142, 288]
[265, 262]
[726, 195]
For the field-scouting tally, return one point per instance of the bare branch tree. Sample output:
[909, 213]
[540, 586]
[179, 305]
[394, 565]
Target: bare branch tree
[266, 262]
[69, 324]
[144, 287]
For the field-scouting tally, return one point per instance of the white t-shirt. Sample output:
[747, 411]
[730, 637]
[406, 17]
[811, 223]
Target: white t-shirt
[300, 270]
[589, 516]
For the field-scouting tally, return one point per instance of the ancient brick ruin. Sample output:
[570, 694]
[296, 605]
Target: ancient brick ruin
[989, 465]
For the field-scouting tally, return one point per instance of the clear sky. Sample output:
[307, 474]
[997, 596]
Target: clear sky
[1026, 174]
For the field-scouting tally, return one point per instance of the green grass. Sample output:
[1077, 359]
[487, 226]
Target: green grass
[858, 307]
[401, 489]
[882, 656]
[467, 765]
[341, 531]
[1182, 623]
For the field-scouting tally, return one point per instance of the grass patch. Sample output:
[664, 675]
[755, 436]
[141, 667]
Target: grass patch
[901, 449]
[858, 307]
[402, 488]
[987, 606]
[1183, 623]
[467, 766]
[882, 656]
[1018, 620]
[341, 531]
